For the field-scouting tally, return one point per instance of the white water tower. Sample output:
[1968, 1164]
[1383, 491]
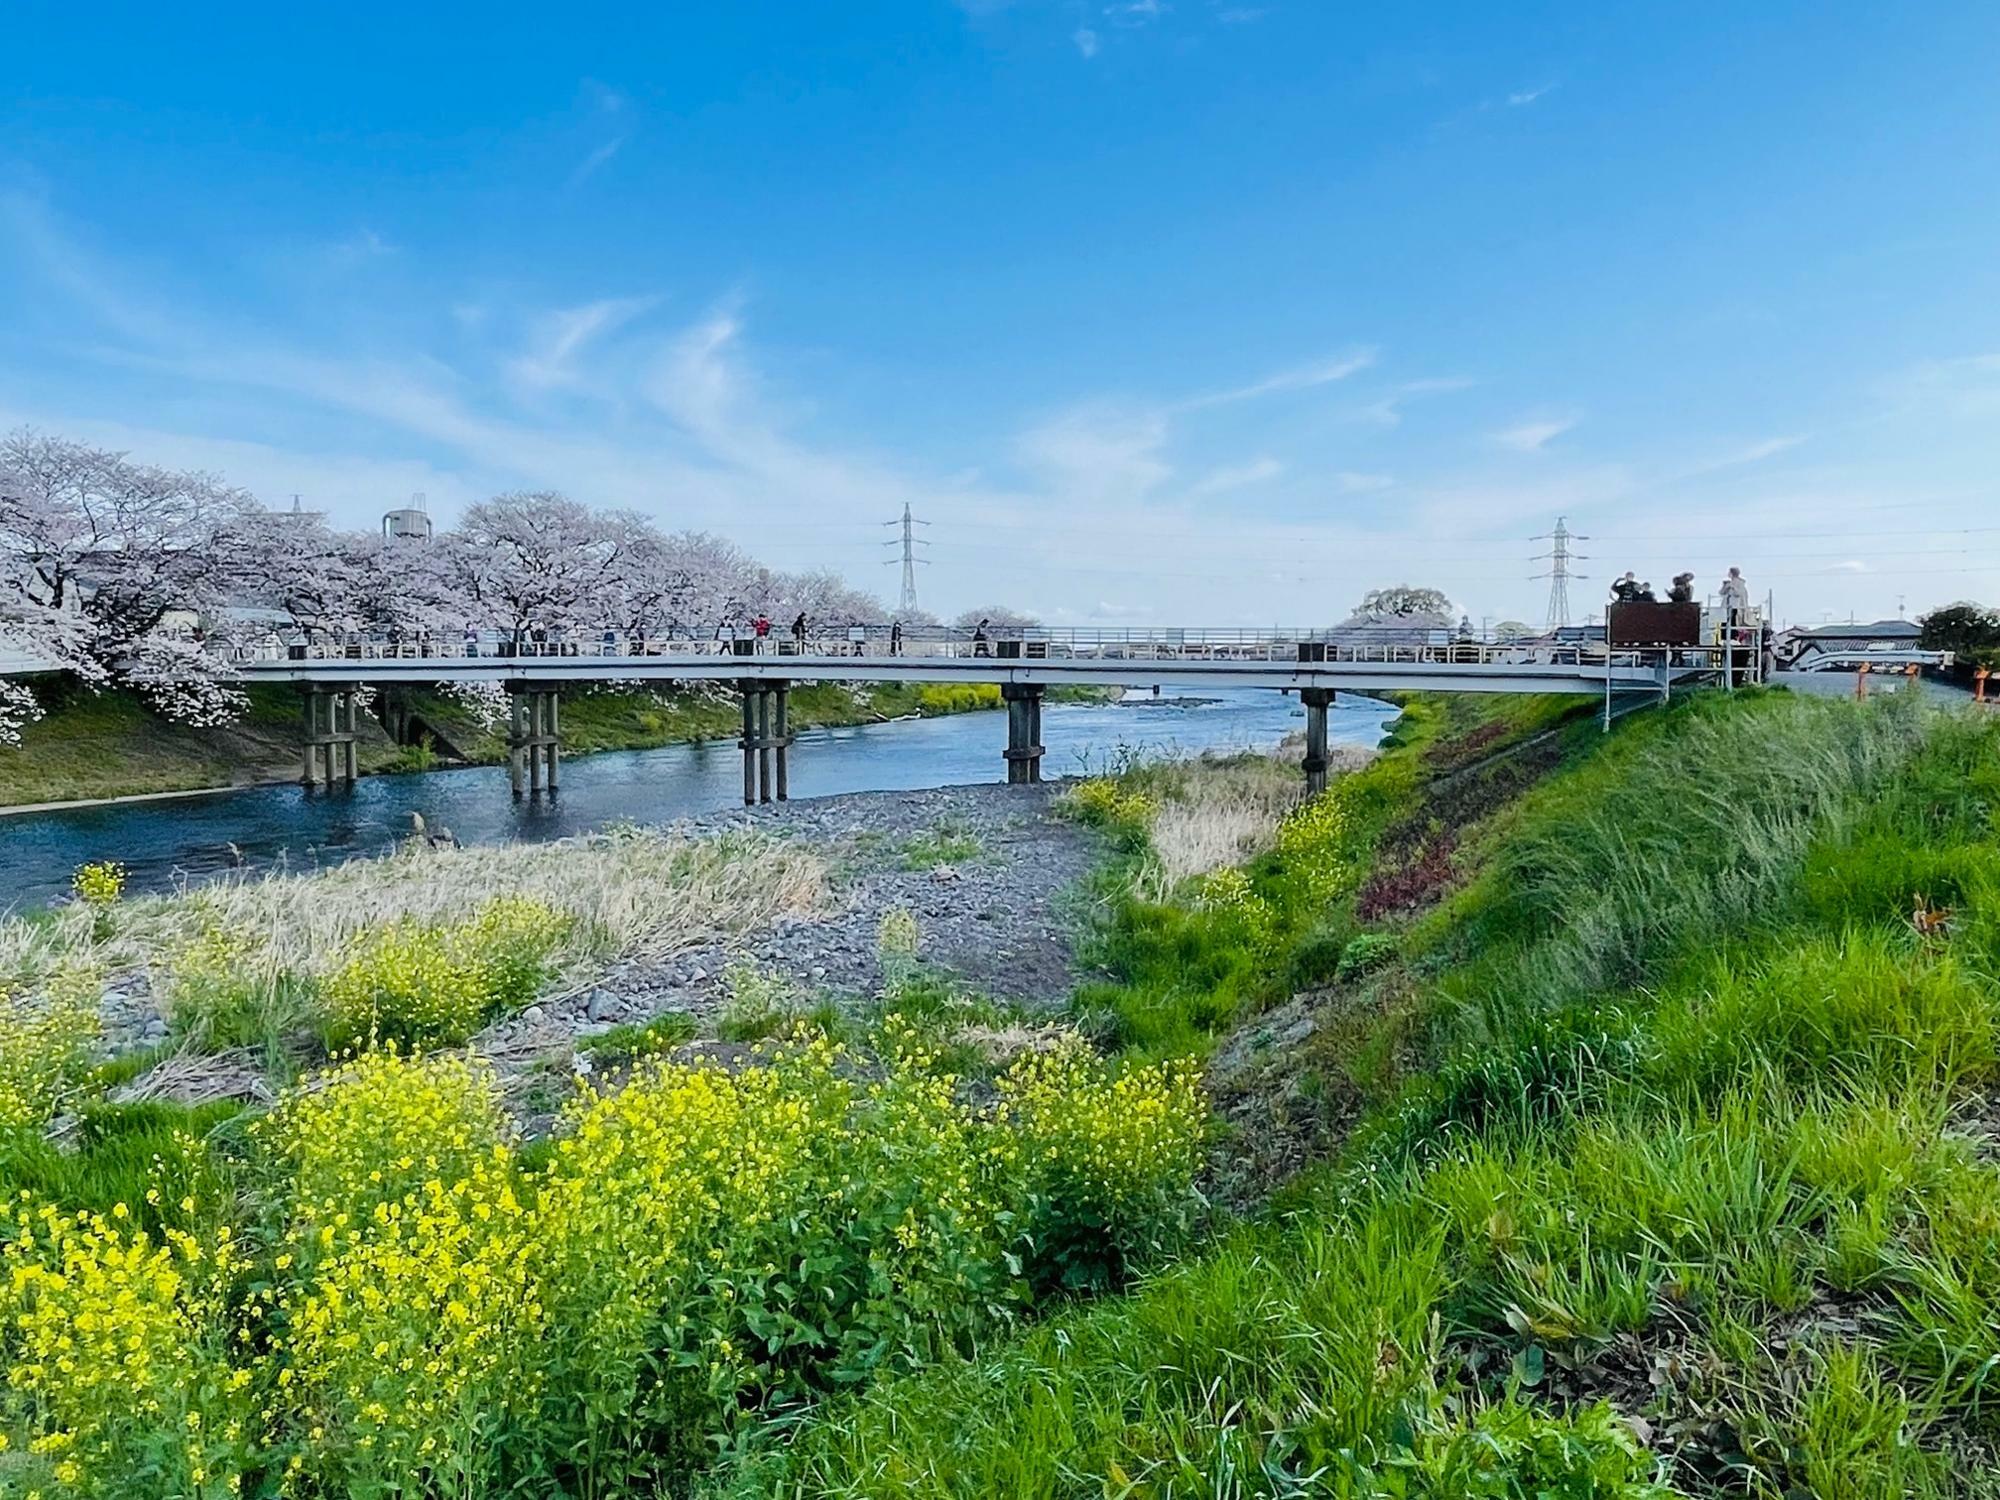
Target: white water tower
[410, 524]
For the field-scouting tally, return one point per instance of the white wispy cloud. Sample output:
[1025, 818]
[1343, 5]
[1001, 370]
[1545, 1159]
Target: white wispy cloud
[701, 426]
[1086, 41]
[1300, 378]
[1241, 15]
[1528, 96]
[559, 337]
[1387, 410]
[588, 167]
[1758, 452]
[1237, 476]
[1962, 386]
[1099, 452]
[1535, 434]
[1349, 482]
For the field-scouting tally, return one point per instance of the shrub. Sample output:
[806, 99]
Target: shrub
[1106, 802]
[373, 1130]
[1365, 952]
[759, 1003]
[416, 1347]
[45, 1046]
[897, 943]
[116, 1346]
[98, 886]
[224, 991]
[418, 984]
[1108, 1161]
[1512, 1452]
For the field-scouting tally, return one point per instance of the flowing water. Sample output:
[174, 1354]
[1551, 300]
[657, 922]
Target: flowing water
[161, 842]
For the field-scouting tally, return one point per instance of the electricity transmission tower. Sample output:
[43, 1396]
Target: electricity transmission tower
[1559, 557]
[909, 542]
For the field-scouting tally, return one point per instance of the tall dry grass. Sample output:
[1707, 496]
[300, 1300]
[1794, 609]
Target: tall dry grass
[1214, 814]
[632, 893]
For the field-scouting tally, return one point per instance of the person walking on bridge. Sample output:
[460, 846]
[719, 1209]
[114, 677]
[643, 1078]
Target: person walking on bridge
[799, 633]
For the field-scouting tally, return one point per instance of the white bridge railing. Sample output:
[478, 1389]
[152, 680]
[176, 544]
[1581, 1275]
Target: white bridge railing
[1030, 643]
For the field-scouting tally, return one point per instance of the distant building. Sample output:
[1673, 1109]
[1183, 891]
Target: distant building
[412, 523]
[1800, 648]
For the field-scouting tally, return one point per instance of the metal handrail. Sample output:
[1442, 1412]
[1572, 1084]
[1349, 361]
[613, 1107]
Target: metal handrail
[1118, 645]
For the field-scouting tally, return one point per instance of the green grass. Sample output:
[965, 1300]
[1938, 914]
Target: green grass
[949, 843]
[148, 1155]
[110, 744]
[639, 1039]
[1683, 1129]
[1186, 971]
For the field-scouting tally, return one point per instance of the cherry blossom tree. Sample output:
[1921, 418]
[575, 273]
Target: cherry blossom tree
[996, 615]
[537, 559]
[685, 584]
[108, 568]
[825, 598]
[1403, 602]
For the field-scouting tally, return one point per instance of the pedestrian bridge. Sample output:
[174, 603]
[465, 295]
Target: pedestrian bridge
[534, 667]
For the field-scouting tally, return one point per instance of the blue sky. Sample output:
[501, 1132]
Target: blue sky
[1163, 311]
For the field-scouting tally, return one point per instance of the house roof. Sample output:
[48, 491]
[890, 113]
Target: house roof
[1880, 630]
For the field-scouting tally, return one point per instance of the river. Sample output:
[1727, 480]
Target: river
[190, 838]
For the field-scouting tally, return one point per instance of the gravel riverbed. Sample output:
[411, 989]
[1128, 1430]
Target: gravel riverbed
[989, 873]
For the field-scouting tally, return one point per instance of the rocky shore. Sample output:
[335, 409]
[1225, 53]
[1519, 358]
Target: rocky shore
[989, 876]
[988, 873]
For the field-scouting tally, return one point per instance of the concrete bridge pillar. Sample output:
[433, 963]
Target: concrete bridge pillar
[533, 739]
[767, 740]
[1024, 731]
[1317, 701]
[332, 724]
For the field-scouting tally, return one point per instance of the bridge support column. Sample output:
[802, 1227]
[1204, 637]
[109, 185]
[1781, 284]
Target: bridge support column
[1317, 701]
[767, 740]
[332, 724]
[532, 739]
[1024, 731]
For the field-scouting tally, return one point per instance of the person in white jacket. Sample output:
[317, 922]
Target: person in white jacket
[1735, 596]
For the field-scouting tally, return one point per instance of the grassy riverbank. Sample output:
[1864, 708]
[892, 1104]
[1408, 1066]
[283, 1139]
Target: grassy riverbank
[1655, 1153]
[103, 745]
[1584, 1115]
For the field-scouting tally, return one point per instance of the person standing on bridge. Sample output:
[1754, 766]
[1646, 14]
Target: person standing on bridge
[895, 637]
[980, 638]
[1682, 591]
[1735, 596]
[1626, 589]
[799, 633]
[761, 629]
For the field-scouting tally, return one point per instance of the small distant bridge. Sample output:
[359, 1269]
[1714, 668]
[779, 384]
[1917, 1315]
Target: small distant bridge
[1023, 662]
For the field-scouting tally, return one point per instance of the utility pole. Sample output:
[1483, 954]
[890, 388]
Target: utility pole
[1559, 557]
[910, 541]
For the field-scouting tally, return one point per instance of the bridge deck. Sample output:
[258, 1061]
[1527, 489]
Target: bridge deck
[1435, 670]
